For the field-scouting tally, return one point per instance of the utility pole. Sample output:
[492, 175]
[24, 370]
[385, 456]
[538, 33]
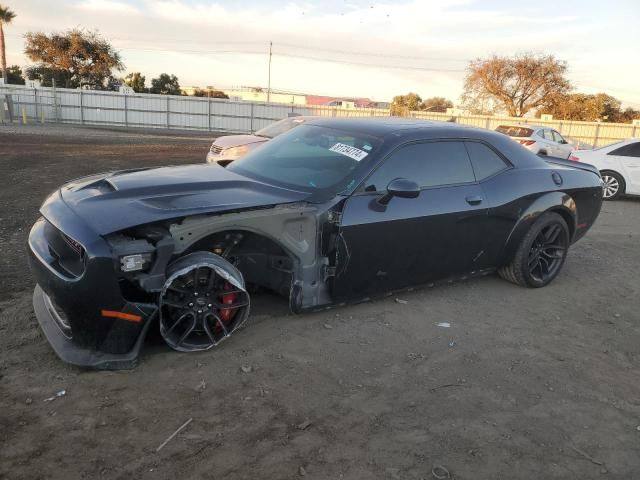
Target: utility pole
[269, 84]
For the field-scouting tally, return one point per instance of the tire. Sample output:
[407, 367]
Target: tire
[613, 186]
[203, 301]
[541, 253]
[542, 153]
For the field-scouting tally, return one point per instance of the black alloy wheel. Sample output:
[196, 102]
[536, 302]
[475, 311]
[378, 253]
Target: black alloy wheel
[547, 253]
[200, 306]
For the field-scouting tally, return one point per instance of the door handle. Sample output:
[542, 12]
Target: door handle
[474, 199]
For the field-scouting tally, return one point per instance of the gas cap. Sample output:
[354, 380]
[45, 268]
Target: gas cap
[557, 178]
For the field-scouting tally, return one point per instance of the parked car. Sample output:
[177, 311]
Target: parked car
[333, 211]
[228, 148]
[619, 165]
[540, 140]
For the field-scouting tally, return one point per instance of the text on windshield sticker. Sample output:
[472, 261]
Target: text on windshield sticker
[351, 152]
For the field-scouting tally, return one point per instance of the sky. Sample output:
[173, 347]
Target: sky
[350, 47]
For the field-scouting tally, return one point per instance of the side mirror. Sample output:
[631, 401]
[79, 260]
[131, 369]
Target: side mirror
[400, 187]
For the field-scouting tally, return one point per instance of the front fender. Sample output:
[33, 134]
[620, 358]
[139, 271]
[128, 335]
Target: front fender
[559, 202]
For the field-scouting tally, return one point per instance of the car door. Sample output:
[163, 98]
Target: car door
[629, 158]
[546, 143]
[411, 240]
[562, 147]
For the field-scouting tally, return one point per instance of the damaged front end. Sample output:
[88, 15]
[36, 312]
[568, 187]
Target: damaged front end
[97, 296]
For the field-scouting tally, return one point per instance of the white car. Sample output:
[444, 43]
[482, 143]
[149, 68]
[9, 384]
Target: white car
[619, 165]
[540, 140]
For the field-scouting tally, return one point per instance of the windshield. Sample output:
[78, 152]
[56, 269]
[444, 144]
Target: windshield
[280, 127]
[309, 158]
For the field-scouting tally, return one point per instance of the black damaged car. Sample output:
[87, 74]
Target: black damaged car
[336, 210]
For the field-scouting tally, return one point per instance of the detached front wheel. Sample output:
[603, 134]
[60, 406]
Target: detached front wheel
[541, 254]
[203, 302]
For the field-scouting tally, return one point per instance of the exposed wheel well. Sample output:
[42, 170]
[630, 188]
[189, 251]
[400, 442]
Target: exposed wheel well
[262, 261]
[571, 223]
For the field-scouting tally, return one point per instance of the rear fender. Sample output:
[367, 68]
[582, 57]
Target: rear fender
[558, 202]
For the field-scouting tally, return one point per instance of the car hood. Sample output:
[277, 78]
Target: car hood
[119, 200]
[229, 141]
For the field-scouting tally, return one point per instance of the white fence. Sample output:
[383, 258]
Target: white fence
[90, 107]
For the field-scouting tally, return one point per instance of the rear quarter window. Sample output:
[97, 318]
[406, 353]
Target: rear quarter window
[485, 161]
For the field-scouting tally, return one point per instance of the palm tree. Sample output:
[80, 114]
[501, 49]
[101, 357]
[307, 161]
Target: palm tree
[6, 16]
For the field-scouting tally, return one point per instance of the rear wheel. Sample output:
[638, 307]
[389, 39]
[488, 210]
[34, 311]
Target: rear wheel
[203, 301]
[541, 254]
[612, 185]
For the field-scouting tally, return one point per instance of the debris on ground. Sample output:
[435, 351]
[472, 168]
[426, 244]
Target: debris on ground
[443, 324]
[61, 393]
[182, 427]
[403, 302]
[302, 471]
[246, 368]
[304, 425]
[327, 326]
[201, 386]
[452, 343]
[586, 455]
[440, 473]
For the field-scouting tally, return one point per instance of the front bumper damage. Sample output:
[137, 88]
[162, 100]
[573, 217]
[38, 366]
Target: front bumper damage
[78, 300]
[69, 352]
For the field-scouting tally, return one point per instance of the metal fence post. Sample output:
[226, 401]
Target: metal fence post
[633, 132]
[35, 101]
[209, 111]
[251, 121]
[595, 139]
[55, 101]
[81, 108]
[126, 111]
[168, 99]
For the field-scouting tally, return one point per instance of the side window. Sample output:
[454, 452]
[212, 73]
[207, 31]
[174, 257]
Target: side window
[557, 137]
[548, 135]
[428, 164]
[540, 133]
[631, 150]
[485, 161]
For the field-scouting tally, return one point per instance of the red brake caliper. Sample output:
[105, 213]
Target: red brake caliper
[227, 314]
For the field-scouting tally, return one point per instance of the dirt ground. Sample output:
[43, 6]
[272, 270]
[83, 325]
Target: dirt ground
[525, 384]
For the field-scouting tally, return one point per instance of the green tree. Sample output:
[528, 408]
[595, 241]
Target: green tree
[6, 16]
[136, 81]
[436, 104]
[15, 75]
[627, 116]
[516, 84]
[211, 92]
[165, 84]
[584, 107]
[403, 104]
[75, 58]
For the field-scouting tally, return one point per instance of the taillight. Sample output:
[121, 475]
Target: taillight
[574, 158]
[526, 143]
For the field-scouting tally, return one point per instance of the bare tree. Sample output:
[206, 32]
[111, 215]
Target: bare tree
[514, 84]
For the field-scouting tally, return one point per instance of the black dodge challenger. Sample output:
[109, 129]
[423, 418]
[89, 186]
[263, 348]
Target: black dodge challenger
[334, 211]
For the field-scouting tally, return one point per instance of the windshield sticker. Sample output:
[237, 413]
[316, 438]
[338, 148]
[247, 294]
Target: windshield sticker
[351, 152]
